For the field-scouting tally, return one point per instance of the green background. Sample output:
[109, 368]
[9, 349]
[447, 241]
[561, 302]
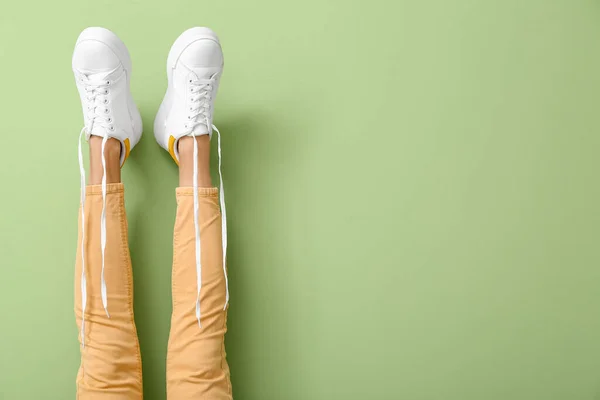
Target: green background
[412, 192]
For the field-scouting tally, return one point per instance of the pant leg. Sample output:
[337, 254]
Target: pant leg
[196, 364]
[111, 366]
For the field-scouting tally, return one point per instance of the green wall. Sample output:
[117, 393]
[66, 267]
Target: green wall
[412, 193]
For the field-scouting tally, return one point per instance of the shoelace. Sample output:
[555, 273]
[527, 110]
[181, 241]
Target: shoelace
[199, 113]
[95, 92]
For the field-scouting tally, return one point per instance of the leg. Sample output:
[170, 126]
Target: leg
[110, 356]
[196, 364]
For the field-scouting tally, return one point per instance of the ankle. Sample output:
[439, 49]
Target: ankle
[112, 157]
[185, 148]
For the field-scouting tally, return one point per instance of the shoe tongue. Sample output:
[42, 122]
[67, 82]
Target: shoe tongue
[200, 129]
[100, 131]
[96, 76]
[201, 73]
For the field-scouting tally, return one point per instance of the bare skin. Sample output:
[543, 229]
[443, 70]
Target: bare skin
[186, 161]
[112, 154]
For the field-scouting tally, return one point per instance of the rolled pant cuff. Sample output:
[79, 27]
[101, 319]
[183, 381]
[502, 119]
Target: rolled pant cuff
[202, 191]
[110, 188]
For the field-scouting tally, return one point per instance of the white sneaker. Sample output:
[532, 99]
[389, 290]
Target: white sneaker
[194, 68]
[102, 69]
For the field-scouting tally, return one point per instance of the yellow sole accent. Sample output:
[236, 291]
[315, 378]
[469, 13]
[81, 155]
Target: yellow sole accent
[127, 149]
[172, 148]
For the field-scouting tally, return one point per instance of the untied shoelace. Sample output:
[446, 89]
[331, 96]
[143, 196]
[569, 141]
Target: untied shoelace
[94, 93]
[203, 89]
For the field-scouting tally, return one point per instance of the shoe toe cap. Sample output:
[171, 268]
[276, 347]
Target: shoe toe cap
[94, 56]
[202, 53]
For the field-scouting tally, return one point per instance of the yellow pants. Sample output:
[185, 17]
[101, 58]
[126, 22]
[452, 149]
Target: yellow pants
[111, 366]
